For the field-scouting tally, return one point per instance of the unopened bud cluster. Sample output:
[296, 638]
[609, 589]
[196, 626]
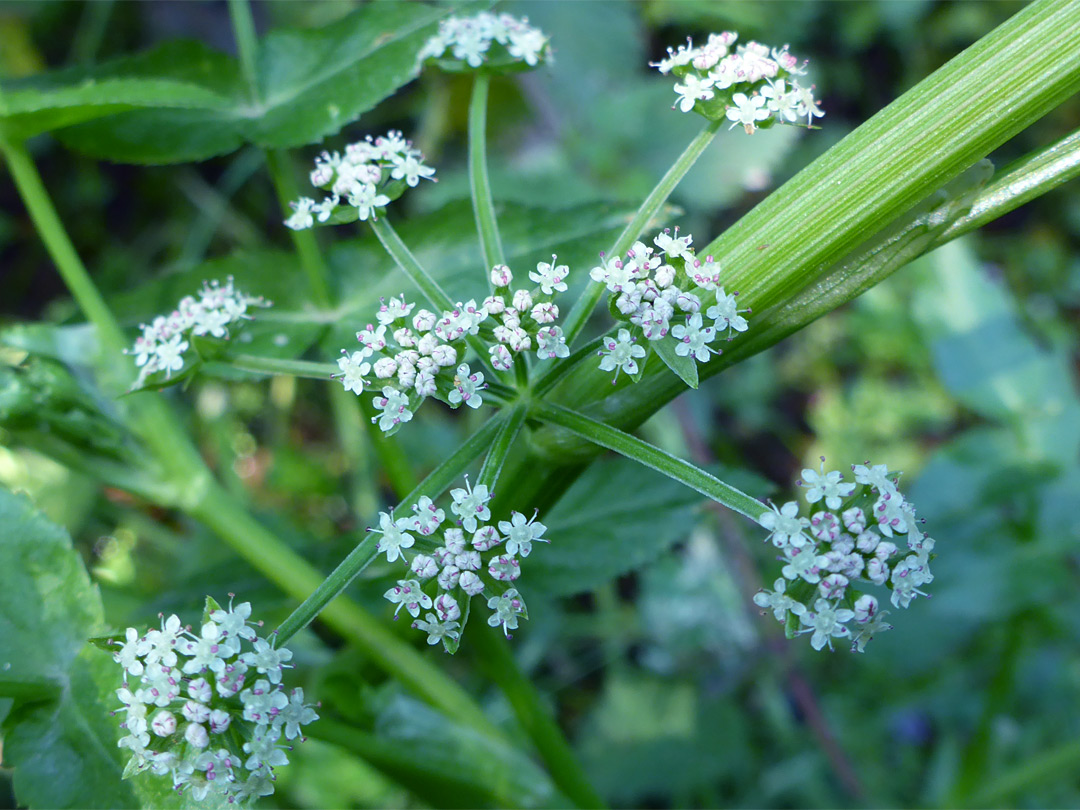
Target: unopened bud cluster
[369, 175]
[414, 355]
[750, 85]
[486, 39]
[208, 709]
[850, 540]
[163, 343]
[453, 558]
[666, 294]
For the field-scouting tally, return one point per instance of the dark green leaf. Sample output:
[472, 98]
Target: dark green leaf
[684, 367]
[617, 517]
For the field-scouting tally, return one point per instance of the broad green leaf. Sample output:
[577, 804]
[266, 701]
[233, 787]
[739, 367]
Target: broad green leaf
[312, 83]
[63, 748]
[617, 517]
[685, 367]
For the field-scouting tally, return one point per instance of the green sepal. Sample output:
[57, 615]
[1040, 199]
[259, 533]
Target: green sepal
[684, 367]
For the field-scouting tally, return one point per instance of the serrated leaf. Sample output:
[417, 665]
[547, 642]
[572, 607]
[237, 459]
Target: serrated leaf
[684, 367]
[617, 517]
[63, 749]
[315, 82]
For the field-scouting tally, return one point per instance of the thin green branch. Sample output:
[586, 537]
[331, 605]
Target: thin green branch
[653, 457]
[360, 557]
[500, 447]
[278, 365]
[548, 380]
[483, 206]
[404, 259]
[1030, 177]
[247, 43]
[583, 307]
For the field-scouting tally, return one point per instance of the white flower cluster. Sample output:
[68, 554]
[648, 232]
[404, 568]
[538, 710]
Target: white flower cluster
[162, 344]
[425, 361]
[368, 176]
[751, 85]
[653, 288]
[188, 713]
[853, 539]
[447, 570]
[470, 40]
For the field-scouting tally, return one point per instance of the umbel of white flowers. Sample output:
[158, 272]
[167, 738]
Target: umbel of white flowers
[849, 541]
[163, 343]
[487, 39]
[208, 708]
[751, 85]
[449, 561]
[370, 174]
[415, 355]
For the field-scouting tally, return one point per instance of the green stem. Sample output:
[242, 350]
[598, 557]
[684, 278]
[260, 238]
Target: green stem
[440, 479]
[277, 365]
[653, 457]
[483, 205]
[535, 717]
[583, 307]
[548, 380]
[500, 447]
[247, 43]
[404, 259]
[1030, 177]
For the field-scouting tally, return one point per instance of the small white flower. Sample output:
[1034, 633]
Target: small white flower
[748, 110]
[501, 276]
[267, 660]
[394, 537]
[694, 339]
[786, 527]
[620, 354]
[394, 406]
[301, 217]
[365, 199]
[550, 276]
[520, 533]
[505, 610]
[726, 314]
[778, 601]
[408, 594]
[827, 623]
[551, 343]
[692, 90]
[828, 485]
[471, 505]
[163, 724]
[504, 568]
[436, 630]
[468, 388]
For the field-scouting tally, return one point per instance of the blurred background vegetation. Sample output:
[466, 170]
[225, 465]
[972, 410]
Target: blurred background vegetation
[960, 370]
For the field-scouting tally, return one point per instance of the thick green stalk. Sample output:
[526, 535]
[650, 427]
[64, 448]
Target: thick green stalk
[583, 307]
[437, 482]
[653, 457]
[483, 206]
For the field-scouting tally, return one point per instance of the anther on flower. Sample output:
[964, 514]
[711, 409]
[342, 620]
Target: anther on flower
[493, 41]
[846, 542]
[749, 85]
[369, 176]
[163, 344]
[195, 738]
[447, 564]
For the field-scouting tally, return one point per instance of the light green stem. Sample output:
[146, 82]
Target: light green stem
[483, 205]
[247, 43]
[583, 307]
[361, 556]
[653, 457]
[277, 365]
[500, 447]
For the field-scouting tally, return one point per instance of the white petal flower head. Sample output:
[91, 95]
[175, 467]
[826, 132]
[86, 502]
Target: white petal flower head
[827, 485]
[408, 594]
[394, 537]
[395, 409]
[505, 610]
[826, 622]
[620, 354]
[675, 246]
[551, 343]
[726, 313]
[296, 714]
[692, 90]
[550, 276]
[778, 601]
[748, 110]
[301, 217]
[788, 529]
[471, 505]
[438, 631]
[468, 388]
[353, 370]
[520, 533]
[694, 338]
[876, 477]
[267, 659]
[805, 564]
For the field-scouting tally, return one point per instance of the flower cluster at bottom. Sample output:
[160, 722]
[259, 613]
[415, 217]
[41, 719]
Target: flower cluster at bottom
[853, 540]
[189, 715]
[447, 570]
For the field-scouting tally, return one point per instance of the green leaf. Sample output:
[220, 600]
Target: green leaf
[617, 517]
[63, 746]
[312, 83]
[684, 367]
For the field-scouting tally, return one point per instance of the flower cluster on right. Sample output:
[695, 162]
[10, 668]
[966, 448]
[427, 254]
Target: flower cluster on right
[850, 538]
[666, 293]
[750, 85]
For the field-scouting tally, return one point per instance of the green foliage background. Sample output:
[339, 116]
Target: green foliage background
[959, 370]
